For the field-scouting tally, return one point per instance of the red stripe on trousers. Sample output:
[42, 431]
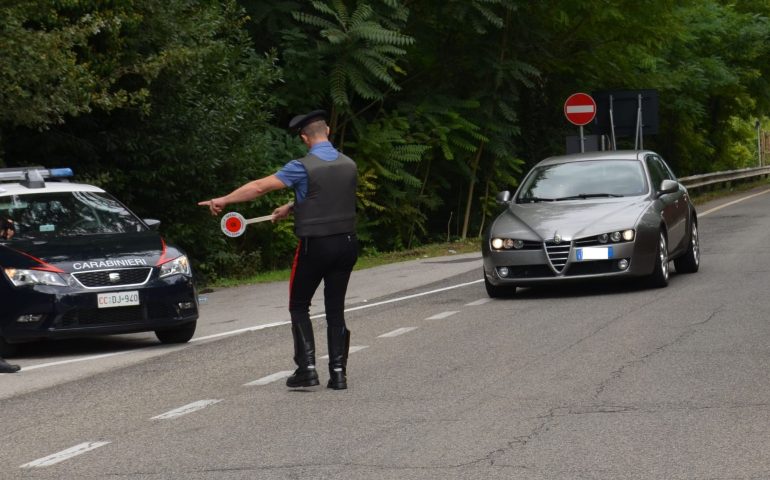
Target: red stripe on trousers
[294, 268]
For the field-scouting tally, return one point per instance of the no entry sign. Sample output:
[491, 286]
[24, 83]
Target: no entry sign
[580, 109]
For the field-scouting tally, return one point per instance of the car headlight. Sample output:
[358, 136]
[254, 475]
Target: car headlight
[177, 266]
[507, 243]
[615, 237]
[20, 277]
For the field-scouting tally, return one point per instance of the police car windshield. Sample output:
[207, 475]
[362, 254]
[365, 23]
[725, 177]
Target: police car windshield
[67, 214]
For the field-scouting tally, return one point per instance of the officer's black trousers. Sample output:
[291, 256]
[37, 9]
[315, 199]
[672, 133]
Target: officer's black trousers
[330, 259]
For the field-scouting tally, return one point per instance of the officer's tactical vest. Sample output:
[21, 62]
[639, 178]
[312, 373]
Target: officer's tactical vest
[330, 205]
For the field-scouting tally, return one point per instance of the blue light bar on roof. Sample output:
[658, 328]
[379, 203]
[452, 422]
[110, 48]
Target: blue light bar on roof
[33, 177]
[61, 172]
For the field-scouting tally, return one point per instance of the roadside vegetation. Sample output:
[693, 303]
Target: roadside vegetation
[441, 103]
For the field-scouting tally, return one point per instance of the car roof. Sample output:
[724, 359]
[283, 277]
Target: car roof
[7, 189]
[30, 180]
[606, 155]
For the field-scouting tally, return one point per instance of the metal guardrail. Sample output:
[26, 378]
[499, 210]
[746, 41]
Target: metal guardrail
[709, 179]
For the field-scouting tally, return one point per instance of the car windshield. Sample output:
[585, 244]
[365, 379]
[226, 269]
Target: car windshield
[66, 214]
[582, 180]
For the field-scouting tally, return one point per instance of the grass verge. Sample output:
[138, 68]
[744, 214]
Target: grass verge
[469, 245]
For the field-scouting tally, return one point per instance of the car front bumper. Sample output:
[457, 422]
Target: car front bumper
[59, 312]
[532, 267]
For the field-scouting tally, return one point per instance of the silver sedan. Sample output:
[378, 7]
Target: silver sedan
[592, 215]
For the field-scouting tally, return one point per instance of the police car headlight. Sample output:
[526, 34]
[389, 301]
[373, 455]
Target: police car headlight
[177, 266]
[21, 278]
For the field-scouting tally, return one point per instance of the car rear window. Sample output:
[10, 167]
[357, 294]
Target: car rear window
[65, 214]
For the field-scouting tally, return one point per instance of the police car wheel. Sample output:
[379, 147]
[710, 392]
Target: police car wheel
[181, 334]
[7, 349]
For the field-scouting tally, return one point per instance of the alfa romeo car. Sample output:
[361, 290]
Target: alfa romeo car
[600, 215]
[74, 261]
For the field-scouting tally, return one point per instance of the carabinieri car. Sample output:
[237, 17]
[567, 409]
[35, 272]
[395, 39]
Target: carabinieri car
[593, 215]
[74, 262]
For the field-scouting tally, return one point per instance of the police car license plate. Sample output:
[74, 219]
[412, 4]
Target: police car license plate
[593, 253]
[118, 299]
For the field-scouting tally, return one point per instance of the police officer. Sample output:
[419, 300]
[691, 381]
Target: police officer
[6, 367]
[7, 228]
[324, 183]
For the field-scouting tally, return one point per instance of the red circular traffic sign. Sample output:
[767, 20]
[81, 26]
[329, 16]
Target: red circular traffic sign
[580, 108]
[233, 224]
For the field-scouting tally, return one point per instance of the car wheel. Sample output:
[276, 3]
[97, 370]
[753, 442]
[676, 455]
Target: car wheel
[498, 291]
[690, 261]
[659, 277]
[181, 334]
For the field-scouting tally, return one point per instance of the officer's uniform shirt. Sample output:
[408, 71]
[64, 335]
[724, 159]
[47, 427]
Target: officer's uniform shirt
[293, 174]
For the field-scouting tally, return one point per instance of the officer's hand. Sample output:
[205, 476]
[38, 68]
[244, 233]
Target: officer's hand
[281, 212]
[215, 205]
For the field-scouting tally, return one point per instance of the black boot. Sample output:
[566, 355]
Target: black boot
[6, 367]
[339, 344]
[304, 356]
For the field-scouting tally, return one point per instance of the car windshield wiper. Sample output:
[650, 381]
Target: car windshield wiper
[583, 196]
[536, 199]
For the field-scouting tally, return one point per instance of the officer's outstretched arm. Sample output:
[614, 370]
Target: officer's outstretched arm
[249, 191]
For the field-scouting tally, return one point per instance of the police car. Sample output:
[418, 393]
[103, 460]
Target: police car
[76, 262]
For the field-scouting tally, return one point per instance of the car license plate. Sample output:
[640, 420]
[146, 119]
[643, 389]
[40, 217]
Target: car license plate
[118, 299]
[594, 253]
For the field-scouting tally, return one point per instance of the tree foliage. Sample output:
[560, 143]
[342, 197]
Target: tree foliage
[441, 103]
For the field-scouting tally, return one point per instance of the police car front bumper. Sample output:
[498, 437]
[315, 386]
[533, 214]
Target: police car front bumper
[43, 311]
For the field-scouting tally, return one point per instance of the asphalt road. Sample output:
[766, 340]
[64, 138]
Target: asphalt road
[593, 382]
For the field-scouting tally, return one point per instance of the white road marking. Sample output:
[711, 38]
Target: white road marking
[74, 360]
[64, 455]
[478, 302]
[184, 410]
[255, 327]
[441, 315]
[397, 332]
[269, 379]
[409, 297]
[353, 349]
[731, 203]
[241, 330]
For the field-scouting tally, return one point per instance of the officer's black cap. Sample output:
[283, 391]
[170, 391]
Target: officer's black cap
[301, 121]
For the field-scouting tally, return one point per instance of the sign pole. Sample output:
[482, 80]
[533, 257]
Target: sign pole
[582, 141]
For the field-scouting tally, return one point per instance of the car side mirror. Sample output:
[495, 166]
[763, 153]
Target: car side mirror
[668, 186]
[503, 197]
[153, 223]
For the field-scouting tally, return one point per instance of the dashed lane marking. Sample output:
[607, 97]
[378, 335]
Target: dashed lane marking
[441, 315]
[184, 410]
[478, 302]
[64, 455]
[397, 332]
[269, 379]
[253, 328]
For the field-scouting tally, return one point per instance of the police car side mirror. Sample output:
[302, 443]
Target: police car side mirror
[503, 197]
[152, 223]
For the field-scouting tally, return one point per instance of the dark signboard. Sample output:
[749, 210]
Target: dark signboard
[625, 105]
